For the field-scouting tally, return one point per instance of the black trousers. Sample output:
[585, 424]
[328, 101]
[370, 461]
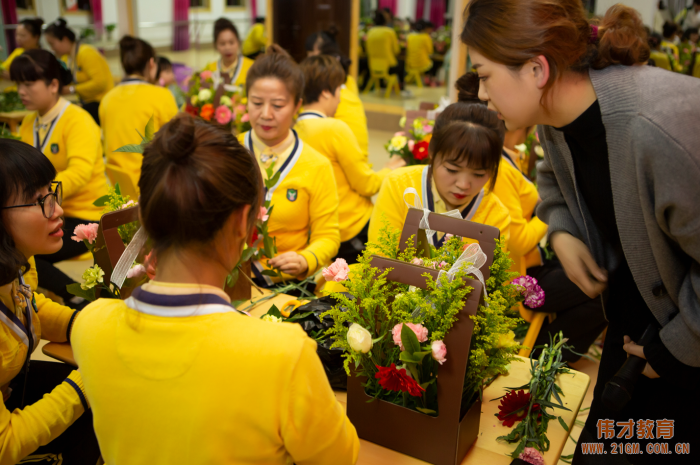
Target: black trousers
[78, 444]
[579, 317]
[653, 399]
[52, 278]
[353, 248]
[400, 71]
[93, 109]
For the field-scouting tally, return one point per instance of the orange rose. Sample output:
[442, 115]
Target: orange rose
[207, 112]
[428, 137]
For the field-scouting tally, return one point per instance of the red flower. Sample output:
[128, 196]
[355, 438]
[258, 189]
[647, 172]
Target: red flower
[253, 237]
[192, 110]
[207, 112]
[511, 402]
[397, 380]
[420, 150]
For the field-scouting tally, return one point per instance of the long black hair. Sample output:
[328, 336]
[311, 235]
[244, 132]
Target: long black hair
[40, 65]
[23, 171]
[59, 29]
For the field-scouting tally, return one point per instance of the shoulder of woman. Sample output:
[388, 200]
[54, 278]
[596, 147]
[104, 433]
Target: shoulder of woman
[313, 156]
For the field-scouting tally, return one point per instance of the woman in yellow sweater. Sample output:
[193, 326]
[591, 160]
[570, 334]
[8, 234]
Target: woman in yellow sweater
[316, 126]
[256, 40]
[41, 400]
[232, 66]
[175, 374]
[465, 153]
[419, 48]
[70, 139]
[28, 37]
[92, 78]
[130, 105]
[305, 198]
[350, 109]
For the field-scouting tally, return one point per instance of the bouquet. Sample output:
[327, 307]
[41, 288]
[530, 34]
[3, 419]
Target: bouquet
[413, 147]
[393, 333]
[526, 149]
[10, 101]
[229, 110]
[442, 38]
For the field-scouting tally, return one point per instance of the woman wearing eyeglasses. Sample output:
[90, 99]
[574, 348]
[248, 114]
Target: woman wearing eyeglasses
[70, 139]
[41, 400]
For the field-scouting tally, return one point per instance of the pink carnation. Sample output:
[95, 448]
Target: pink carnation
[338, 271]
[205, 75]
[417, 261]
[443, 264]
[399, 134]
[86, 232]
[222, 114]
[420, 330]
[411, 144]
[240, 109]
[532, 455]
[262, 214]
[439, 351]
[533, 293]
[245, 118]
[427, 129]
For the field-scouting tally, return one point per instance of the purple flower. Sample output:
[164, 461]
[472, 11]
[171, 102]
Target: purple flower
[530, 290]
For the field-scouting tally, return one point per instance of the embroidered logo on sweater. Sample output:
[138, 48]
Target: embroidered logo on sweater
[54, 148]
[291, 195]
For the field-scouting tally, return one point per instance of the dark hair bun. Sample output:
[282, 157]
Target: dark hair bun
[468, 88]
[622, 39]
[60, 22]
[33, 25]
[128, 43]
[277, 49]
[66, 77]
[178, 141]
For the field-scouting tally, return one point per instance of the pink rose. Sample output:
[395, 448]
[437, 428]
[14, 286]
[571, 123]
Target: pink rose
[245, 118]
[427, 129]
[222, 114]
[420, 331]
[338, 271]
[262, 214]
[136, 272]
[439, 351]
[240, 109]
[411, 144]
[86, 232]
[128, 204]
[448, 236]
[531, 455]
[417, 261]
[205, 75]
[399, 134]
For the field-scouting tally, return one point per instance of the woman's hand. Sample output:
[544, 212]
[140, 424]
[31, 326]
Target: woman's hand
[632, 348]
[290, 262]
[578, 263]
[396, 161]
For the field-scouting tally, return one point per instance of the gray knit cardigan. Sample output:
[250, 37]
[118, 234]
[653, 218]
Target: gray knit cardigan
[652, 123]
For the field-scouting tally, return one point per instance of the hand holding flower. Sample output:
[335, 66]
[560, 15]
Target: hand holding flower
[290, 263]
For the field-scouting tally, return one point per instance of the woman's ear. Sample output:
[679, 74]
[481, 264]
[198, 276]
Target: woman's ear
[298, 106]
[540, 71]
[54, 86]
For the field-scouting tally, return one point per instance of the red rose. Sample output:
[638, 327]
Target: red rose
[512, 402]
[420, 150]
[192, 110]
[397, 380]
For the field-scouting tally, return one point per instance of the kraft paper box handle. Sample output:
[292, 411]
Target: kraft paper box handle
[485, 234]
[109, 246]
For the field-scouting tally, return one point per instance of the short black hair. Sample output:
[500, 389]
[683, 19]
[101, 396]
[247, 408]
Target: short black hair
[59, 29]
[163, 65]
[33, 25]
[40, 65]
[23, 171]
[223, 24]
[669, 28]
[379, 18]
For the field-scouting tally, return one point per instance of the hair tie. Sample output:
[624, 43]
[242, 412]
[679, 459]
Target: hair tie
[594, 34]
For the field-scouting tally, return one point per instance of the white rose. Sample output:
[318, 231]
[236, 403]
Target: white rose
[521, 148]
[359, 338]
[225, 100]
[539, 151]
[204, 95]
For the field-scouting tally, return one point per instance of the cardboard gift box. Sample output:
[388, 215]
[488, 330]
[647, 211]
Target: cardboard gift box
[445, 439]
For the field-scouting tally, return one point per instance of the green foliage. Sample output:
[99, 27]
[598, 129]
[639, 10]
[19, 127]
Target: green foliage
[113, 201]
[532, 430]
[5, 133]
[149, 132]
[10, 101]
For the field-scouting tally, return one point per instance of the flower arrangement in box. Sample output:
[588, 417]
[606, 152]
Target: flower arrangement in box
[414, 147]
[393, 333]
[228, 110]
[442, 38]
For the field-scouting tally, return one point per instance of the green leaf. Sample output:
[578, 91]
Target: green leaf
[563, 423]
[272, 273]
[247, 253]
[78, 291]
[131, 148]
[102, 201]
[150, 130]
[268, 247]
[274, 311]
[117, 190]
[232, 278]
[427, 411]
[299, 316]
[409, 340]
[416, 357]
[374, 341]
[550, 404]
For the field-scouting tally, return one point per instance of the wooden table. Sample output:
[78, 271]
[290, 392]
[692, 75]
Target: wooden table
[486, 450]
[13, 119]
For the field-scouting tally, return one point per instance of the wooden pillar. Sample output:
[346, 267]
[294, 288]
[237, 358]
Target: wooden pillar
[354, 37]
[458, 62]
[269, 24]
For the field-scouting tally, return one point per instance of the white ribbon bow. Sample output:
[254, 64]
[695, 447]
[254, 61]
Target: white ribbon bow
[418, 205]
[471, 260]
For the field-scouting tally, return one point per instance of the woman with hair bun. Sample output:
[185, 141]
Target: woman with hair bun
[465, 153]
[92, 78]
[232, 66]
[175, 374]
[28, 37]
[305, 199]
[70, 139]
[619, 185]
[128, 107]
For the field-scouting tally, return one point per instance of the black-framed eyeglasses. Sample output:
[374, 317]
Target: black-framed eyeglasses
[47, 202]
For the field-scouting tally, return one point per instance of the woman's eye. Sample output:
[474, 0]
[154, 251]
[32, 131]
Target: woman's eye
[482, 78]
[451, 171]
[479, 175]
[277, 107]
